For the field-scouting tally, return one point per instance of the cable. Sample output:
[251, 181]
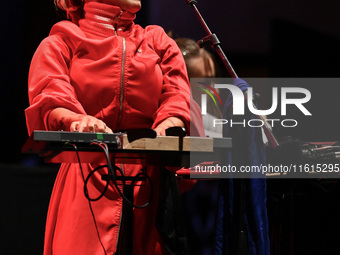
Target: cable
[86, 193]
[113, 178]
[112, 174]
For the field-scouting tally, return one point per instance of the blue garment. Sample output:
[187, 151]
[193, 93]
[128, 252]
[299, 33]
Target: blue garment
[200, 204]
[248, 150]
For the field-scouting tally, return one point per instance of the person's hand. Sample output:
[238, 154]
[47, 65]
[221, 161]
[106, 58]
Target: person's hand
[90, 124]
[64, 119]
[168, 123]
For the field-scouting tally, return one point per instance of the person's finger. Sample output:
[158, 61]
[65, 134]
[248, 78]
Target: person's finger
[108, 130]
[74, 126]
[162, 131]
[93, 125]
[158, 131]
[82, 126]
[90, 124]
[87, 124]
[100, 127]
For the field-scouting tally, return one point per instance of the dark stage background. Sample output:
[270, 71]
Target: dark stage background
[261, 39]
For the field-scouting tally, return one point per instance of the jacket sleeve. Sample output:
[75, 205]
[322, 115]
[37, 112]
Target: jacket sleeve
[49, 83]
[175, 98]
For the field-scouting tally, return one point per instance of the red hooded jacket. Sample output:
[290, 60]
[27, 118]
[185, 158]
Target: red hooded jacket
[126, 76]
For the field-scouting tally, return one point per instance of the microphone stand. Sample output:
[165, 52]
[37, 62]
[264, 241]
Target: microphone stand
[212, 40]
[239, 189]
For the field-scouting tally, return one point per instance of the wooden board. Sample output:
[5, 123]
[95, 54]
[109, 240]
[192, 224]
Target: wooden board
[170, 143]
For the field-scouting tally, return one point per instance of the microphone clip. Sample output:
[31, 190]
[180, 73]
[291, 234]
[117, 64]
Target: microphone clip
[211, 40]
[191, 2]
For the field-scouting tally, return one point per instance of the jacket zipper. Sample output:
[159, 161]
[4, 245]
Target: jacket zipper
[121, 217]
[119, 119]
[122, 85]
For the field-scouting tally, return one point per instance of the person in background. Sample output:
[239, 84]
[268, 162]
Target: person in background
[101, 72]
[200, 64]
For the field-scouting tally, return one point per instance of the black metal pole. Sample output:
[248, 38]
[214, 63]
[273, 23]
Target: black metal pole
[212, 40]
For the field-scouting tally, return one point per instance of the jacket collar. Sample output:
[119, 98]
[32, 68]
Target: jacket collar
[103, 18]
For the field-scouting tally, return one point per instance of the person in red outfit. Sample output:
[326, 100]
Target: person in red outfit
[101, 72]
